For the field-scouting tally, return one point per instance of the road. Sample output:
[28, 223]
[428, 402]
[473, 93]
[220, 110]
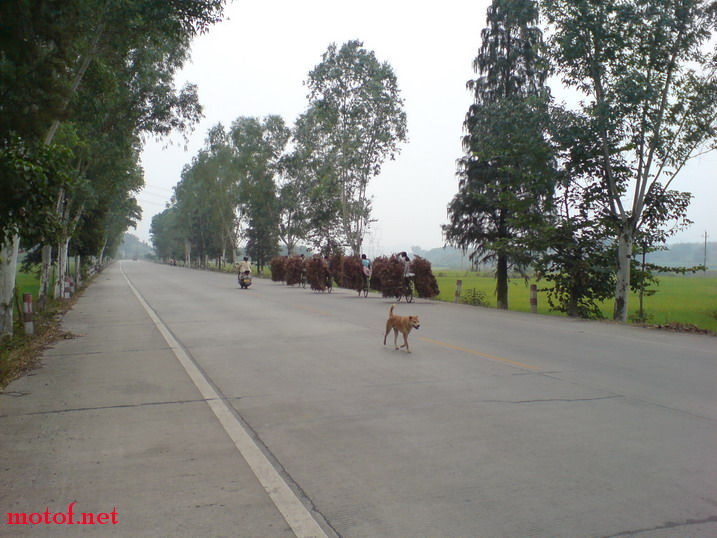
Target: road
[498, 424]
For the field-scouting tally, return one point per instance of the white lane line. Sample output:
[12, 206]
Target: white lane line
[300, 520]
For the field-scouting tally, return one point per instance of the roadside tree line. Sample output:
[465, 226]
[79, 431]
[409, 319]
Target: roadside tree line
[578, 192]
[264, 183]
[82, 84]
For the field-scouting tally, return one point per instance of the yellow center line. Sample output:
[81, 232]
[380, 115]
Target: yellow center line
[484, 355]
[312, 310]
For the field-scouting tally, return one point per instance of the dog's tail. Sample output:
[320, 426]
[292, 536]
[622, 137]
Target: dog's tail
[390, 311]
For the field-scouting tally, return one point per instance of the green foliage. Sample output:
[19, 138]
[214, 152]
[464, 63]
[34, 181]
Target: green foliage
[356, 107]
[103, 74]
[132, 246]
[507, 175]
[474, 297]
[31, 178]
[646, 70]
[259, 145]
[166, 235]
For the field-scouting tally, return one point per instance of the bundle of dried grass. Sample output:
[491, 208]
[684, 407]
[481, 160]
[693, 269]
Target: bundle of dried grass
[425, 281]
[336, 268]
[389, 275]
[378, 266]
[294, 268]
[317, 272]
[278, 268]
[353, 273]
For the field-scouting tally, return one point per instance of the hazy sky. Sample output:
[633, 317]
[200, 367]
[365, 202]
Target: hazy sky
[256, 61]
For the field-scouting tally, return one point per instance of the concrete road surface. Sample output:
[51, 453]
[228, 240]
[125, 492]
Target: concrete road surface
[194, 408]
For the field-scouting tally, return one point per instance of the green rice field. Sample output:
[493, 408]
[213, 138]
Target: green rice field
[679, 299]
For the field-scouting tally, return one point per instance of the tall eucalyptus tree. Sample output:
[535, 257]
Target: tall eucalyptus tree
[360, 110]
[647, 70]
[258, 146]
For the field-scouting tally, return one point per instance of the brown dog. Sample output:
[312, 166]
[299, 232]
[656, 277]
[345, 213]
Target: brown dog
[404, 324]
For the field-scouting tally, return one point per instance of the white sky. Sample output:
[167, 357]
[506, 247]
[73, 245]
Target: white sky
[256, 61]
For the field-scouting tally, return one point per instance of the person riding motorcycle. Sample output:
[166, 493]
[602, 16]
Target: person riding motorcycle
[244, 268]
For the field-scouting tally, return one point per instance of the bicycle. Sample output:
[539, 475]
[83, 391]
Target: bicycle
[406, 291]
[364, 287]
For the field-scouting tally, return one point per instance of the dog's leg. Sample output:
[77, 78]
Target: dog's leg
[405, 340]
[395, 338]
[388, 330]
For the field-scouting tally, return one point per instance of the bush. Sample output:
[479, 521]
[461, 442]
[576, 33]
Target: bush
[474, 297]
[317, 272]
[425, 282]
[278, 268]
[294, 268]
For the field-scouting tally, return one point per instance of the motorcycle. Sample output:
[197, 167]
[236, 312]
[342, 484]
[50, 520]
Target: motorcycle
[245, 280]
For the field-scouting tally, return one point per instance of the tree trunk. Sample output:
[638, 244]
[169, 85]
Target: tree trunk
[101, 253]
[8, 270]
[61, 268]
[45, 275]
[501, 288]
[622, 284]
[78, 272]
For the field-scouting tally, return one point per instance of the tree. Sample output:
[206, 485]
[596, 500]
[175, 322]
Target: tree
[507, 174]
[651, 89]
[31, 175]
[259, 145]
[360, 113]
[224, 192]
[167, 239]
[310, 200]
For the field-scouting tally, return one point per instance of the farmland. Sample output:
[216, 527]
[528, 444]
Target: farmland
[678, 299]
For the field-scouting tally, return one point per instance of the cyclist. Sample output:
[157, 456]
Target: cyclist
[366, 268]
[365, 275]
[406, 265]
[329, 277]
[303, 270]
